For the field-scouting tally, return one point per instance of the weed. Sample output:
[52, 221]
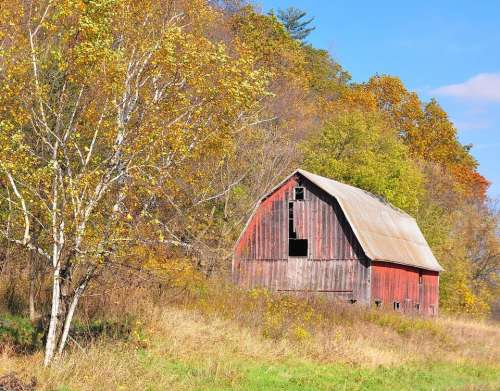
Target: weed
[224, 338]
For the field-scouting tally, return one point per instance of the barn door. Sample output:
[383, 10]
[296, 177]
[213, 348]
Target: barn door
[298, 235]
[306, 271]
[337, 276]
[334, 276]
[297, 274]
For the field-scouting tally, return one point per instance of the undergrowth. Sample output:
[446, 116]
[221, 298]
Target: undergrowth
[19, 333]
[222, 338]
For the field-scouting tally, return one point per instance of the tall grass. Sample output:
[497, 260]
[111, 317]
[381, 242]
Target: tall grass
[216, 336]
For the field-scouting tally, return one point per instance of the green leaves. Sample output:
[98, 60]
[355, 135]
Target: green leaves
[355, 148]
[180, 113]
[294, 22]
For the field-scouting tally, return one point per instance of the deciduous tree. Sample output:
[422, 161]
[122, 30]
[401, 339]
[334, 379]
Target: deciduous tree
[100, 98]
[358, 149]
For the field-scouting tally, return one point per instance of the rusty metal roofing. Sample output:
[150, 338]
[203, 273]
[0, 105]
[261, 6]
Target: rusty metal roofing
[385, 232]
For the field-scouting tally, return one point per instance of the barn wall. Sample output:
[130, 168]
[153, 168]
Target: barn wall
[398, 283]
[335, 264]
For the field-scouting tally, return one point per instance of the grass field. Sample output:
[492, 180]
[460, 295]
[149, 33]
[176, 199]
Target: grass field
[258, 342]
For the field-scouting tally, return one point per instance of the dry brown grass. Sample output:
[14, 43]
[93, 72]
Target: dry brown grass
[327, 332]
[208, 334]
[217, 346]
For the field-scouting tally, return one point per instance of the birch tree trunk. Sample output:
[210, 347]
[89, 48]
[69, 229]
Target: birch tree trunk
[32, 310]
[70, 313]
[51, 342]
[77, 141]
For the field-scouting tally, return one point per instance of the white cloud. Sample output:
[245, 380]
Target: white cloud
[484, 87]
[473, 124]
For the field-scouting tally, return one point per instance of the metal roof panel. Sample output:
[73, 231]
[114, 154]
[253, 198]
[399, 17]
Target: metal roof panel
[385, 232]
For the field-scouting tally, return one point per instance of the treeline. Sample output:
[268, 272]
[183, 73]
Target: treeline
[139, 135]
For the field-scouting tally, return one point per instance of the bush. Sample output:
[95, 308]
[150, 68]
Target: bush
[404, 324]
[19, 333]
[277, 316]
[127, 329]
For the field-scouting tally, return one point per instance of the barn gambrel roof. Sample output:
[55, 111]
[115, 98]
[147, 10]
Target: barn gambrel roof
[385, 232]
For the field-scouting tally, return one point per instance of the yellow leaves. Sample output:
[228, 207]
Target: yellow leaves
[456, 291]
[301, 334]
[282, 315]
[355, 148]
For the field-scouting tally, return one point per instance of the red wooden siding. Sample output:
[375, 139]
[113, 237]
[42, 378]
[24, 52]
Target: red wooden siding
[318, 219]
[335, 264]
[398, 283]
[430, 292]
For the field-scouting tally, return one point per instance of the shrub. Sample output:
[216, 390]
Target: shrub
[19, 333]
[123, 329]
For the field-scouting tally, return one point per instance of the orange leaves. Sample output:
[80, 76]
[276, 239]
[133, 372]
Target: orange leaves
[472, 184]
[355, 98]
[187, 114]
[426, 129]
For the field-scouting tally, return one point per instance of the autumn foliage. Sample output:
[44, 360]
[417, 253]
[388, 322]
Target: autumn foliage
[139, 135]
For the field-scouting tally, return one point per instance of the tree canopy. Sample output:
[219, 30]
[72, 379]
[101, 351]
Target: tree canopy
[141, 134]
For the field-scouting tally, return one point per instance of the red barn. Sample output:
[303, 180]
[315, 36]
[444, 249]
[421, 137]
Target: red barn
[312, 234]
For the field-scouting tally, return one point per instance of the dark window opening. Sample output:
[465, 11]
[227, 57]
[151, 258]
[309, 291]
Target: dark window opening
[396, 306]
[299, 194]
[353, 301]
[297, 247]
[378, 303]
[420, 277]
[417, 306]
[291, 232]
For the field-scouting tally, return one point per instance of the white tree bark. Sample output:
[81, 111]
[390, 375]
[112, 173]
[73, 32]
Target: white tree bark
[71, 312]
[57, 245]
[32, 309]
[50, 345]
[87, 191]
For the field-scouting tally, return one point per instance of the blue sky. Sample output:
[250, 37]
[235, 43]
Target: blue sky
[449, 50]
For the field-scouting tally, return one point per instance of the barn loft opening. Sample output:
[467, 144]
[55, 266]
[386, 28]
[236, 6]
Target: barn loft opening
[291, 231]
[296, 247]
[299, 194]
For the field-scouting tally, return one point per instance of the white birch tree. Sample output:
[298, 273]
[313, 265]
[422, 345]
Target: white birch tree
[99, 99]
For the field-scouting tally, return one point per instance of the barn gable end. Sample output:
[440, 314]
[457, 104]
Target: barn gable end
[335, 264]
